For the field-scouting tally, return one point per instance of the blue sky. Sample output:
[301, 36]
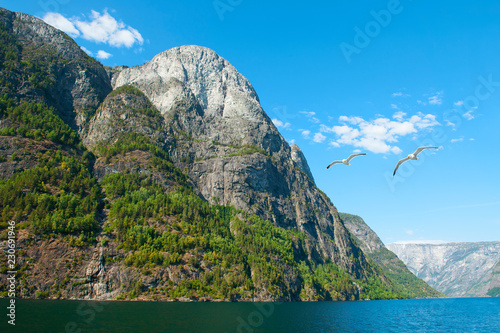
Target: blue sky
[337, 77]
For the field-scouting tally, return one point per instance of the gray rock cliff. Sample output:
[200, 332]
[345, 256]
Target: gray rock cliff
[73, 83]
[215, 119]
[371, 244]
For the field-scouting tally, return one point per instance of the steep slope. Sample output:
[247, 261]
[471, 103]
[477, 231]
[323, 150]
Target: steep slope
[456, 269]
[240, 158]
[42, 64]
[494, 287]
[394, 268]
[175, 185]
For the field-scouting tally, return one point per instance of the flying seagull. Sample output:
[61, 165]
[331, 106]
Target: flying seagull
[346, 161]
[411, 157]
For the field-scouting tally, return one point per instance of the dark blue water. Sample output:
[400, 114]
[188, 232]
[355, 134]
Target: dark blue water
[434, 315]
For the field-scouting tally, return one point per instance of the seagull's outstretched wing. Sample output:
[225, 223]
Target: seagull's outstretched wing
[353, 156]
[399, 163]
[419, 150]
[333, 163]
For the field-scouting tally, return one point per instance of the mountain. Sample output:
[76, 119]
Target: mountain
[455, 269]
[162, 181]
[394, 268]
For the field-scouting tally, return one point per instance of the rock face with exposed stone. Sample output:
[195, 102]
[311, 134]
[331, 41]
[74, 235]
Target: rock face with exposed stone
[238, 157]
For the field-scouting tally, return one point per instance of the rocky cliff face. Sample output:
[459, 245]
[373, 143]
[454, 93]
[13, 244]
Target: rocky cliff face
[58, 72]
[456, 269]
[371, 244]
[240, 159]
[368, 240]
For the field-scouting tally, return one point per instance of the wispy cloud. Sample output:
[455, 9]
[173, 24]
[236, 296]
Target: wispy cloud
[99, 28]
[334, 144]
[280, 124]
[458, 103]
[86, 50]
[400, 94]
[319, 138]
[449, 123]
[310, 116]
[457, 140]
[469, 115]
[436, 99]
[305, 133]
[103, 54]
[379, 135]
[399, 116]
[62, 23]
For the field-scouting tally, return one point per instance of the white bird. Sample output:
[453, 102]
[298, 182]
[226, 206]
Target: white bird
[345, 161]
[411, 157]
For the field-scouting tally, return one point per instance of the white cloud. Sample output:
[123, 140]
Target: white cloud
[410, 232]
[394, 106]
[436, 99]
[472, 139]
[400, 94]
[449, 123]
[305, 133]
[308, 113]
[101, 28]
[334, 144]
[278, 123]
[380, 134]
[311, 116]
[86, 50]
[469, 115]
[422, 121]
[399, 115]
[396, 150]
[319, 138]
[458, 103]
[352, 120]
[60, 22]
[103, 54]
[457, 140]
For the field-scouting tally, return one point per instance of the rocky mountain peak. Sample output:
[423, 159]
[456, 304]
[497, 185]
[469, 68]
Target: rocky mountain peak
[214, 82]
[213, 96]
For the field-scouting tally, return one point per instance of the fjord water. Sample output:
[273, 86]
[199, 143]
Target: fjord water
[420, 315]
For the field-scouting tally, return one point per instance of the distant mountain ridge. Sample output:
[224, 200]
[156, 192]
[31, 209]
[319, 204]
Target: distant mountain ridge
[455, 269]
